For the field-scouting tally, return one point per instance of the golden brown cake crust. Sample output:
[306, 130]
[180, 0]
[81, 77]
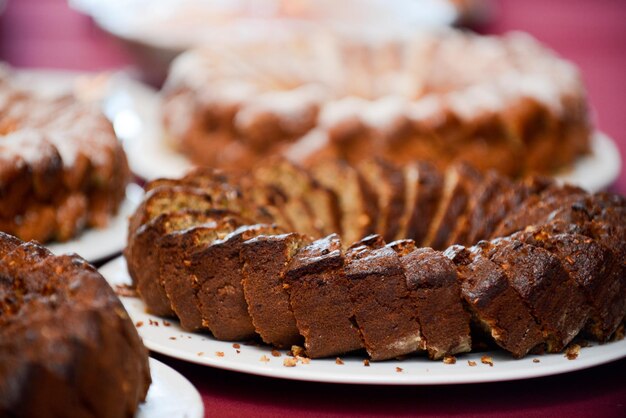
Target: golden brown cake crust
[67, 346]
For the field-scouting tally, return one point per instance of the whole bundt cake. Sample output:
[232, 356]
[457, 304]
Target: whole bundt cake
[67, 346]
[505, 103]
[61, 166]
[454, 258]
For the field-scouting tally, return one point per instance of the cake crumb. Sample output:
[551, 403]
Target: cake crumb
[487, 360]
[338, 361]
[166, 323]
[399, 369]
[366, 363]
[275, 353]
[237, 346]
[471, 363]
[290, 362]
[238, 351]
[139, 324]
[449, 360]
[172, 338]
[304, 360]
[296, 350]
[219, 353]
[200, 353]
[536, 360]
[572, 352]
[264, 359]
[154, 323]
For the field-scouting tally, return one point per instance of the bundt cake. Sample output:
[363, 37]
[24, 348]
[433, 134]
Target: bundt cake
[527, 265]
[62, 168]
[506, 103]
[67, 346]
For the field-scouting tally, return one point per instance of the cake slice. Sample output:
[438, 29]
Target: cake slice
[265, 259]
[220, 296]
[292, 184]
[536, 209]
[180, 284]
[550, 294]
[411, 184]
[501, 205]
[142, 253]
[318, 294]
[470, 222]
[165, 199]
[429, 188]
[268, 199]
[459, 182]
[432, 280]
[387, 180]
[198, 177]
[497, 310]
[356, 202]
[383, 308]
[595, 269]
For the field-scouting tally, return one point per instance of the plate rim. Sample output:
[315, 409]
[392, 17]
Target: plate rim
[117, 227]
[611, 352]
[169, 377]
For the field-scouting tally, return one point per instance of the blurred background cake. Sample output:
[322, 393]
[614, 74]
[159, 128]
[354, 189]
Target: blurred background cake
[497, 102]
[62, 168]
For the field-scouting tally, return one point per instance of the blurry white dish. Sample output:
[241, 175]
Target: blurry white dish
[178, 25]
[170, 395]
[166, 337]
[97, 244]
[155, 31]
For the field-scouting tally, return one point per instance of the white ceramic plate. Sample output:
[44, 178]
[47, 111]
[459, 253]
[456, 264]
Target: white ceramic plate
[96, 244]
[138, 123]
[170, 395]
[166, 337]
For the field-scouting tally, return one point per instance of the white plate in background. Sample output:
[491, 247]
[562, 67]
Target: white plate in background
[170, 395]
[97, 244]
[166, 337]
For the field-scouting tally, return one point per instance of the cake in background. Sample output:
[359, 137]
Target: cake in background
[506, 103]
[62, 168]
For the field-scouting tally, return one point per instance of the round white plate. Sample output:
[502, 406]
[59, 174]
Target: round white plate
[170, 395]
[138, 123]
[96, 244]
[166, 337]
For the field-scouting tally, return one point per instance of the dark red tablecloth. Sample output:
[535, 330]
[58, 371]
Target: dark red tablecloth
[45, 33]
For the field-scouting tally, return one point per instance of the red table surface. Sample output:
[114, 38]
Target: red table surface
[46, 33]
